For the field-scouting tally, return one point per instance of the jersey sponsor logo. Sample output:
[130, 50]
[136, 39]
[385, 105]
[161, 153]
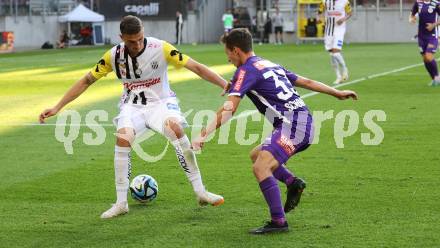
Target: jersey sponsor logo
[100, 62]
[334, 13]
[240, 79]
[286, 144]
[182, 160]
[151, 45]
[142, 84]
[175, 53]
[172, 106]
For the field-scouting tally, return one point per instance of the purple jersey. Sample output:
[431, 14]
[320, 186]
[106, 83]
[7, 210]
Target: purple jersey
[270, 87]
[428, 13]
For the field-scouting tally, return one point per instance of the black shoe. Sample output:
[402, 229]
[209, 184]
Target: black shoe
[294, 192]
[271, 227]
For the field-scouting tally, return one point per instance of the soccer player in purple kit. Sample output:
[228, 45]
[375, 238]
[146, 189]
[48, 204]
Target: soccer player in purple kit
[271, 89]
[428, 12]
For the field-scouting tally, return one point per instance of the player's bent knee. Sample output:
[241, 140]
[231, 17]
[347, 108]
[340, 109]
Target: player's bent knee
[253, 155]
[258, 168]
[267, 160]
[173, 129]
[261, 170]
[428, 57]
[125, 136]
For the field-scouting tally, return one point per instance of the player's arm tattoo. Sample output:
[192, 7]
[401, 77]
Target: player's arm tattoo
[89, 79]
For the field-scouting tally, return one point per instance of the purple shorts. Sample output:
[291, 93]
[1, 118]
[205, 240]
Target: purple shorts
[290, 138]
[428, 44]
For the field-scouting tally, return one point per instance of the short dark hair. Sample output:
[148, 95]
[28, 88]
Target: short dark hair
[238, 37]
[130, 25]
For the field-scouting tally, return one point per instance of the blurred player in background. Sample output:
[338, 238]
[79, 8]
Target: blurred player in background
[428, 12]
[278, 22]
[179, 28]
[336, 13]
[147, 102]
[228, 21]
[272, 89]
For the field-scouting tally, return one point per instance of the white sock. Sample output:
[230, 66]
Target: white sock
[122, 172]
[340, 61]
[335, 64]
[188, 162]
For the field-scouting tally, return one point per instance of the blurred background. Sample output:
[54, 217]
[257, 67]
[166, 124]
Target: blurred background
[28, 24]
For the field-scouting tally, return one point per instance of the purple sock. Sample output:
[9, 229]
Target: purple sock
[431, 67]
[271, 192]
[281, 173]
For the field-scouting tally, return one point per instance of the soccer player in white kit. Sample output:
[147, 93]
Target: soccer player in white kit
[147, 103]
[336, 12]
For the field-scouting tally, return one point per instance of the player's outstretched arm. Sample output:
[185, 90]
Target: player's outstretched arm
[204, 72]
[323, 88]
[224, 114]
[77, 89]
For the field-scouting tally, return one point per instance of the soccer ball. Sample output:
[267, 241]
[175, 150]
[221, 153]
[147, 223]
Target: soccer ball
[144, 188]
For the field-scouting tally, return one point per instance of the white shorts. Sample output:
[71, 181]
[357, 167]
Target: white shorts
[152, 116]
[336, 40]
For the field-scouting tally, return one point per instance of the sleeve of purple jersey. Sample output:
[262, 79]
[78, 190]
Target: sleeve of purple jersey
[437, 10]
[242, 82]
[291, 76]
[415, 9]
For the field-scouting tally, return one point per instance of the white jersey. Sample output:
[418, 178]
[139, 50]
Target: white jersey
[334, 10]
[144, 77]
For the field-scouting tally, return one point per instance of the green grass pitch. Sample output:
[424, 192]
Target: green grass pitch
[359, 196]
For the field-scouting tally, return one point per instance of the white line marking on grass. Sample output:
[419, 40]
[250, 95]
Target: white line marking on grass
[251, 112]
[245, 113]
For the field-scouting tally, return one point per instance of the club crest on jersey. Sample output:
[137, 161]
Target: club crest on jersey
[260, 66]
[430, 10]
[154, 65]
